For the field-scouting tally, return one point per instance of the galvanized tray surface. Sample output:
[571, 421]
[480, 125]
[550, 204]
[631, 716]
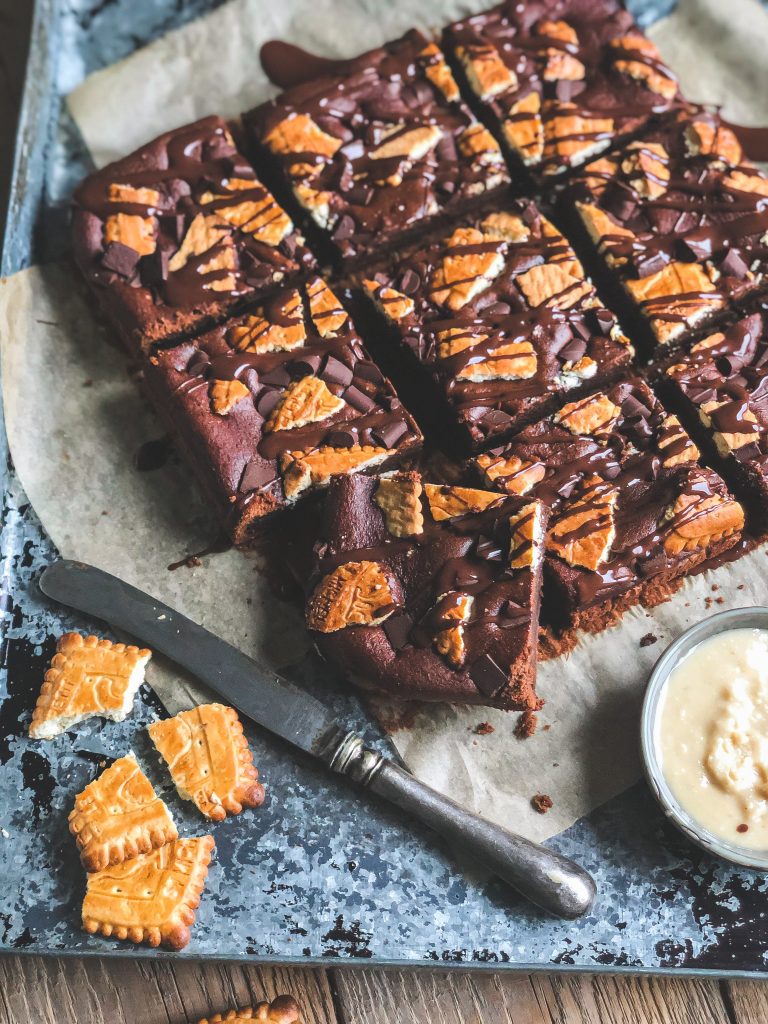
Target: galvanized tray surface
[319, 873]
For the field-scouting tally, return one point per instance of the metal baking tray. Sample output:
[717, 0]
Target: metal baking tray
[320, 873]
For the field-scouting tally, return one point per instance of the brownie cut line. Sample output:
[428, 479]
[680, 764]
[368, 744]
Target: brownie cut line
[632, 510]
[176, 235]
[272, 404]
[381, 149]
[558, 81]
[681, 219]
[500, 319]
[430, 592]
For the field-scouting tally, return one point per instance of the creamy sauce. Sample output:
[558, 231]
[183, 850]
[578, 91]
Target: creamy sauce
[712, 735]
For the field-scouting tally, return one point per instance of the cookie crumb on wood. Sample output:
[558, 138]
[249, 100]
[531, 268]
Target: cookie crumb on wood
[526, 725]
[483, 729]
[541, 802]
[648, 639]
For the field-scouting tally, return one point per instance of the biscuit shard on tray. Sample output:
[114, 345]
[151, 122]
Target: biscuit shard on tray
[209, 760]
[151, 898]
[282, 1010]
[88, 676]
[119, 816]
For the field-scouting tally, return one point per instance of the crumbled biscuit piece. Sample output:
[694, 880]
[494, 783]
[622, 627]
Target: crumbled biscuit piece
[448, 502]
[315, 201]
[584, 532]
[439, 74]
[647, 168]
[138, 233]
[505, 227]
[88, 676]
[560, 284]
[561, 65]
[639, 58]
[745, 181]
[130, 194]
[698, 521]
[515, 360]
[151, 898]
[225, 394]
[727, 442]
[399, 498]
[464, 272]
[327, 313]
[675, 447]
[282, 1010]
[118, 816]
[315, 468]
[208, 234]
[449, 642]
[597, 174]
[410, 143]
[704, 138]
[526, 536]
[541, 803]
[353, 594]
[593, 415]
[675, 297]
[515, 475]
[477, 141]
[259, 216]
[299, 134]
[256, 334]
[603, 230]
[392, 303]
[308, 400]
[486, 72]
[526, 134]
[209, 760]
[569, 134]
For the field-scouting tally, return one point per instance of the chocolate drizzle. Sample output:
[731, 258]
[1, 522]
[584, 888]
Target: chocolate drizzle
[287, 65]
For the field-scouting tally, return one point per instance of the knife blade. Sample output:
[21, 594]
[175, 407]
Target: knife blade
[544, 876]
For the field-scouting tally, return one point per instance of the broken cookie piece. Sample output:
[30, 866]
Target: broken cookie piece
[282, 1010]
[444, 606]
[151, 898]
[271, 405]
[500, 320]
[175, 235]
[380, 149]
[118, 816]
[560, 83]
[209, 760]
[88, 677]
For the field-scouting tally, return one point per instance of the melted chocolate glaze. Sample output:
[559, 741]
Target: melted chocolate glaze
[569, 326]
[239, 462]
[754, 140]
[182, 174]
[634, 448]
[431, 574]
[517, 35]
[381, 96]
[707, 210]
[287, 65]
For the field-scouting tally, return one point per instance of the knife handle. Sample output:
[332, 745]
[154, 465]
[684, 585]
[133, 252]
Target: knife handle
[552, 881]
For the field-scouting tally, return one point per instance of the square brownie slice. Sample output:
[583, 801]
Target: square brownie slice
[175, 235]
[270, 406]
[632, 511]
[723, 383]
[560, 80]
[380, 150]
[430, 592]
[681, 218]
[500, 319]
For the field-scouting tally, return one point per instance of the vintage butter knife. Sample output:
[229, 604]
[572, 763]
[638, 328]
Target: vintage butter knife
[548, 879]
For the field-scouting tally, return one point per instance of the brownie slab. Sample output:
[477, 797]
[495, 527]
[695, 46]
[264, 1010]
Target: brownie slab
[380, 149]
[723, 382]
[560, 80]
[271, 405]
[500, 319]
[633, 512]
[681, 218]
[429, 592]
[176, 234]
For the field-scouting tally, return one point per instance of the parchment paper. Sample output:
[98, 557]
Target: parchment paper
[75, 421]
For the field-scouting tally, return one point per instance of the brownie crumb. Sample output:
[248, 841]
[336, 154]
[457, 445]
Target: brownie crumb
[740, 586]
[719, 600]
[742, 828]
[483, 729]
[526, 725]
[541, 803]
[648, 639]
[546, 728]
[707, 602]
[715, 588]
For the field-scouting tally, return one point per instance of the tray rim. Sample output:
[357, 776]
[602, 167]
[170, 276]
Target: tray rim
[24, 200]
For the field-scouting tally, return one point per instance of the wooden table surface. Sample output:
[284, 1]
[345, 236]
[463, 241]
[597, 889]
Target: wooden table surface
[38, 990]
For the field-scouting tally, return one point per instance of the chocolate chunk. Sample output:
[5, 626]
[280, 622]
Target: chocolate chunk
[358, 399]
[388, 435]
[278, 377]
[573, 352]
[699, 243]
[606, 321]
[566, 89]
[198, 364]
[409, 282]
[398, 628]
[154, 268]
[489, 549]
[256, 475]
[267, 401]
[487, 676]
[619, 202]
[120, 258]
[250, 378]
[307, 366]
[733, 265]
[343, 437]
[650, 263]
[336, 372]
[446, 149]
[344, 229]
[369, 371]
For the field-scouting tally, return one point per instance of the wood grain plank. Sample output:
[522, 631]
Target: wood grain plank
[37, 990]
[747, 1001]
[397, 997]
